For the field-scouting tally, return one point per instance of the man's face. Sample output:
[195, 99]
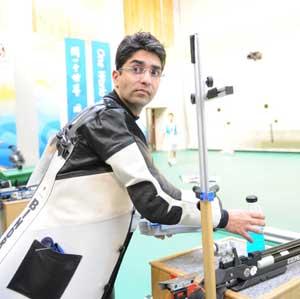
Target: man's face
[137, 90]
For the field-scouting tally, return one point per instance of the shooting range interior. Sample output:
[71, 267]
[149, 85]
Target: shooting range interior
[225, 116]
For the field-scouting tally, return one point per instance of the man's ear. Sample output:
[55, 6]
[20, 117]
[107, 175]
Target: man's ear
[115, 77]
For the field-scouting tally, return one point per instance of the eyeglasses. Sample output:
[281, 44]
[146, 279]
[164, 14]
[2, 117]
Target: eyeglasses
[139, 70]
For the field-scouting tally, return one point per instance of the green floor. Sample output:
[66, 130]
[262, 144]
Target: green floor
[273, 177]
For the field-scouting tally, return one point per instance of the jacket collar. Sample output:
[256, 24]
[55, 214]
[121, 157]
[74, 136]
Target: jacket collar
[113, 100]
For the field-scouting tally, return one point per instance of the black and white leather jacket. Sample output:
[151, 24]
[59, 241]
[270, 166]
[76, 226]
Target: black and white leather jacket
[112, 143]
[90, 179]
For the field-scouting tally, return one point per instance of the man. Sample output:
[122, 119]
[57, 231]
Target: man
[136, 81]
[90, 186]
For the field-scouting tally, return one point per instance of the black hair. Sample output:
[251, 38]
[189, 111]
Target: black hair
[139, 41]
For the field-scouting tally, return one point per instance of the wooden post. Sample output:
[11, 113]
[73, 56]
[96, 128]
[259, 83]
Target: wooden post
[208, 250]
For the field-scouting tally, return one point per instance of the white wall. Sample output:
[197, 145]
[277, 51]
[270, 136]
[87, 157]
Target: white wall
[228, 31]
[21, 43]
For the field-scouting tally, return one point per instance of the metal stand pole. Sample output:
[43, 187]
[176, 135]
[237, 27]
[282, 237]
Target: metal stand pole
[206, 211]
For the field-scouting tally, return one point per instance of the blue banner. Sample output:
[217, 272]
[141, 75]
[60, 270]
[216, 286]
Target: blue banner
[76, 76]
[48, 119]
[101, 69]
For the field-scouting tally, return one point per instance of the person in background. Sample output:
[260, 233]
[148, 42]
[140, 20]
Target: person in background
[171, 138]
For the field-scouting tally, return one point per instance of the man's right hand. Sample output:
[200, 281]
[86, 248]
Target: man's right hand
[242, 221]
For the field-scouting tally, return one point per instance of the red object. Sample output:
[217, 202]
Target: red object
[190, 290]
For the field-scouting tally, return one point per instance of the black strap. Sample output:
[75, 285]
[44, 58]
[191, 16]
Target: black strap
[110, 285]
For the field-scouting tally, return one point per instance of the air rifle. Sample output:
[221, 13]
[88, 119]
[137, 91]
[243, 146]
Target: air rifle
[237, 272]
[243, 272]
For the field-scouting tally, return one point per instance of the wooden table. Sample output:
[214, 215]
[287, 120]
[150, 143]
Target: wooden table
[11, 210]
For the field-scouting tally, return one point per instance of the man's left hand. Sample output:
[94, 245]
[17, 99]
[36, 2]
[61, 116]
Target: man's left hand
[242, 221]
